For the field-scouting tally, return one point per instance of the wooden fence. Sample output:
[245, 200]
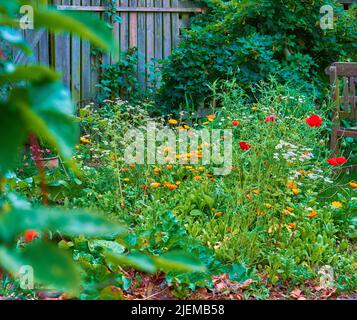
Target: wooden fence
[152, 26]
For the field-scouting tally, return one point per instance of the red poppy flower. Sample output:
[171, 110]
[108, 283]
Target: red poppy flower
[30, 235]
[337, 161]
[235, 123]
[314, 120]
[271, 118]
[244, 146]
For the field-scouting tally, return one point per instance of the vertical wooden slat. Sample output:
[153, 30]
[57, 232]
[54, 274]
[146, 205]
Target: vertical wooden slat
[133, 25]
[158, 38]
[353, 82]
[124, 28]
[96, 59]
[115, 56]
[86, 65]
[44, 49]
[62, 53]
[142, 46]
[104, 16]
[150, 42]
[76, 64]
[175, 24]
[167, 29]
[345, 94]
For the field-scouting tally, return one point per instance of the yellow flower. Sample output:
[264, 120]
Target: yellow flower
[173, 121]
[295, 191]
[255, 191]
[336, 204]
[197, 178]
[205, 123]
[268, 205]
[155, 185]
[254, 108]
[84, 140]
[286, 211]
[186, 126]
[210, 118]
[167, 149]
[157, 170]
[126, 179]
[353, 185]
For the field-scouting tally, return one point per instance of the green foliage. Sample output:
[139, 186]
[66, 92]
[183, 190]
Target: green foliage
[251, 40]
[120, 79]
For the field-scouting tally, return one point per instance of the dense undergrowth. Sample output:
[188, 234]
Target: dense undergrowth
[280, 216]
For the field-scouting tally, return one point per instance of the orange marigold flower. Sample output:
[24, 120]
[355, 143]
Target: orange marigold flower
[210, 118]
[295, 191]
[312, 214]
[169, 166]
[353, 185]
[218, 214]
[173, 121]
[172, 186]
[291, 185]
[291, 225]
[197, 178]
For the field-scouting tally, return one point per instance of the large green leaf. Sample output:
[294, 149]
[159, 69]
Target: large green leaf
[136, 260]
[109, 246]
[32, 73]
[51, 266]
[12, 136]
[15, 38]
[70, 223]
[171, 261]
[83, 24]
[179, 261]
[10, 7]
[51, 116]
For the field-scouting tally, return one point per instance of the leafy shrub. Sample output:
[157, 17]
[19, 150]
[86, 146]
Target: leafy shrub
[250, 40]
[119, 79]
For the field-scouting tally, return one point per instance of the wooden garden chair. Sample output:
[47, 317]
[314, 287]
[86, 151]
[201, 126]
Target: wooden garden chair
[344, 105]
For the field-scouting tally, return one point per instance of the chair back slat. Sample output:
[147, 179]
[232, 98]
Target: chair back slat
[353, 98]
[348, 72]
[345, 96]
